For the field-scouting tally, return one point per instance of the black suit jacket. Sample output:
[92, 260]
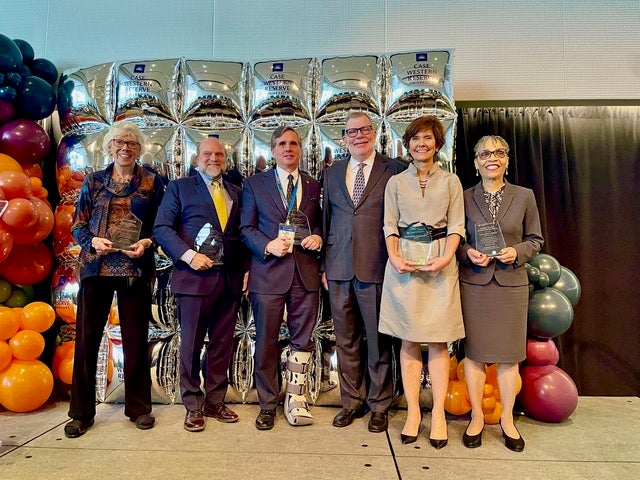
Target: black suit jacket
[353, 237]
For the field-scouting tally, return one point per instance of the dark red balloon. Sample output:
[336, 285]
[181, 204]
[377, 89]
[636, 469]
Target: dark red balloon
[25, 141]
[542, 352]
[7, 111]
[548, 393]
[27, 264]
[6, 244]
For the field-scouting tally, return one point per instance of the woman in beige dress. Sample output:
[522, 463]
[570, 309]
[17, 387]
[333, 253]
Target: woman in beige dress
[421, 297]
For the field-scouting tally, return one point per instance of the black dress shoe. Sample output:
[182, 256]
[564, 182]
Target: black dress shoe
[472, 441]
[347, 416]
[265, 419]
[438, 444]
[378, 422]
[515, 444]
[194, 421]
[144, 422]
[76, 428]
[220, 412]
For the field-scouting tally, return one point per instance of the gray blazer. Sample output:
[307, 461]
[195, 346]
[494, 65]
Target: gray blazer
[353, 236]
[520, 223]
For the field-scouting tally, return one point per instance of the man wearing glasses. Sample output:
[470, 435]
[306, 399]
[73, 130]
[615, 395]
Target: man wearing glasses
[354, 262]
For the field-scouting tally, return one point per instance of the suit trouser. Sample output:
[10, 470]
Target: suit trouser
[214, 314]
[134, 311]
[355, 307]
[268, 312]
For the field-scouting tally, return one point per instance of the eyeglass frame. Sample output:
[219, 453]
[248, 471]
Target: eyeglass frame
[353, 132]
[121, 143]
[486, 154]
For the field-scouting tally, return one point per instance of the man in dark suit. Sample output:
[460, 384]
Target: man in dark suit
[283, 273]
[354, 262]
[198, 227]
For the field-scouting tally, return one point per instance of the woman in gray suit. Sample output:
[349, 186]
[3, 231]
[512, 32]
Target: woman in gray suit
[494, 285]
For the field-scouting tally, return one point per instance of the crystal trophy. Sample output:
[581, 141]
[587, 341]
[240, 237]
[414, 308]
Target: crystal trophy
[125, 231]
[416, 244]
[489, 239]
[209, 242]
[301, 223]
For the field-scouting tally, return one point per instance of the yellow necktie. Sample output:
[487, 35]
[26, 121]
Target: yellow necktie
[219, 203]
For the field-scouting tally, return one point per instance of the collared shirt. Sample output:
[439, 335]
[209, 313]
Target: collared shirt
[283, 175]
[352, 170]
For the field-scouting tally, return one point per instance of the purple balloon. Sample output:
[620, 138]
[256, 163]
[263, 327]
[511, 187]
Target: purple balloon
[7, 111]
[25, 141]
[548, 393]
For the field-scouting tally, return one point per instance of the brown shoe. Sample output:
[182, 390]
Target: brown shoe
[220, 412]
[265, 419]
[194, 421]
[347, 416]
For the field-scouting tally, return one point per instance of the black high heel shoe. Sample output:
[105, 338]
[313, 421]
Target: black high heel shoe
[515, 444]
[406, 439]
[472, 441]
[438, 444]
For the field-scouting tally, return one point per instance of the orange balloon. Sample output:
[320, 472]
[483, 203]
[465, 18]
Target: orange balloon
[27, 345]
[493, 417]
[5, 355]
[66, 371]
[8, 164]
[64, 350]
[518, 384]
[38, 316]
[25, 385]
[33, 170]
[457, 400]
[488, 404]
[487, 390]
[36, 185]
[492, 375]
[453, 368]
[9, 323]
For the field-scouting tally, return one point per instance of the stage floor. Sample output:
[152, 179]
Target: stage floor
[600, 440]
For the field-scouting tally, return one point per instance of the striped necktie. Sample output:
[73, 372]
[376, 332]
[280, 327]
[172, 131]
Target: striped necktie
[358, 184]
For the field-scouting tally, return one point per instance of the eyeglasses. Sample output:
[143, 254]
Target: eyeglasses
[353, 132]
[121, 143]
[486, 154]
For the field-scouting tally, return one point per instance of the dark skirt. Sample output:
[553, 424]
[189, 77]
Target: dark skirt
[495, 322]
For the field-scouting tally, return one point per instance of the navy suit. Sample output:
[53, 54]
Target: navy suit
[292, 280]
[207, 300]
[354, 262]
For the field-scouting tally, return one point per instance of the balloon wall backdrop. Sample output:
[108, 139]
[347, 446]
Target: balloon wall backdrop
[545, 391]
[26, 220]
[178, 102]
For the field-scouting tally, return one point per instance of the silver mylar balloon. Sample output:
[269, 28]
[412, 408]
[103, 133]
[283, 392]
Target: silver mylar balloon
[158, 150]
[149, 92]
[349, 83]
[85, 98]
[102, 368]
[65, 288]
[165, 363]
[395, 130]
[214, 96]
[242, 364]
[163, 308]
[420, 85]
[282, 93]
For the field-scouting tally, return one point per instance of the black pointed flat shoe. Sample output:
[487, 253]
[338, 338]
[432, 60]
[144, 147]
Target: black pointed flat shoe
[514, 444]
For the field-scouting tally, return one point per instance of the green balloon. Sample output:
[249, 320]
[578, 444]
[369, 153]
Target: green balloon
[533, 273]
[18, 298]
[569, 285]
[544, 281]
[5, 290]
[547, 264]
[550, 313]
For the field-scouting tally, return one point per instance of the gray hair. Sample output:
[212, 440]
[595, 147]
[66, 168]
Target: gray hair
[124, 126]
[488, 138]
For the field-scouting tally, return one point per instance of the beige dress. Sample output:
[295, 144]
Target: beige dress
[422, 307]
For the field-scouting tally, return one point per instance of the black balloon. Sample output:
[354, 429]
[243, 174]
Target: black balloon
[10, 56]
[550, 313]
[43, 68]
[547, 264]
[26, 49]
[37, 99]
[569, 285]
[8, 94]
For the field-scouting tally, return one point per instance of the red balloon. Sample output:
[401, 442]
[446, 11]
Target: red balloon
[15, 184]
[33, 170]
[542, 352]
[20, 214]
[24, 140]
[7, 111]
[41, 229]
[6, 244]
[27, 264]
[548, 393]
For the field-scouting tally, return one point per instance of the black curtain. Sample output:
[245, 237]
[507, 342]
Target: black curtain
[583, 164]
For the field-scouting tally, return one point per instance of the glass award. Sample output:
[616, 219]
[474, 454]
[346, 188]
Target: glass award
[416, 245]
[125, 231]
[489, 239]
[302, 228]
[209, 242]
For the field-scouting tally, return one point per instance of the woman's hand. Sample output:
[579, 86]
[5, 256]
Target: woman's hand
[138, 248]
[401, 265]
[507, 255]
[435, 264]
[102, 246]
[478, 258]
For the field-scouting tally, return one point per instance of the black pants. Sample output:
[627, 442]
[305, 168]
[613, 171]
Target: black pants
[134, 310]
